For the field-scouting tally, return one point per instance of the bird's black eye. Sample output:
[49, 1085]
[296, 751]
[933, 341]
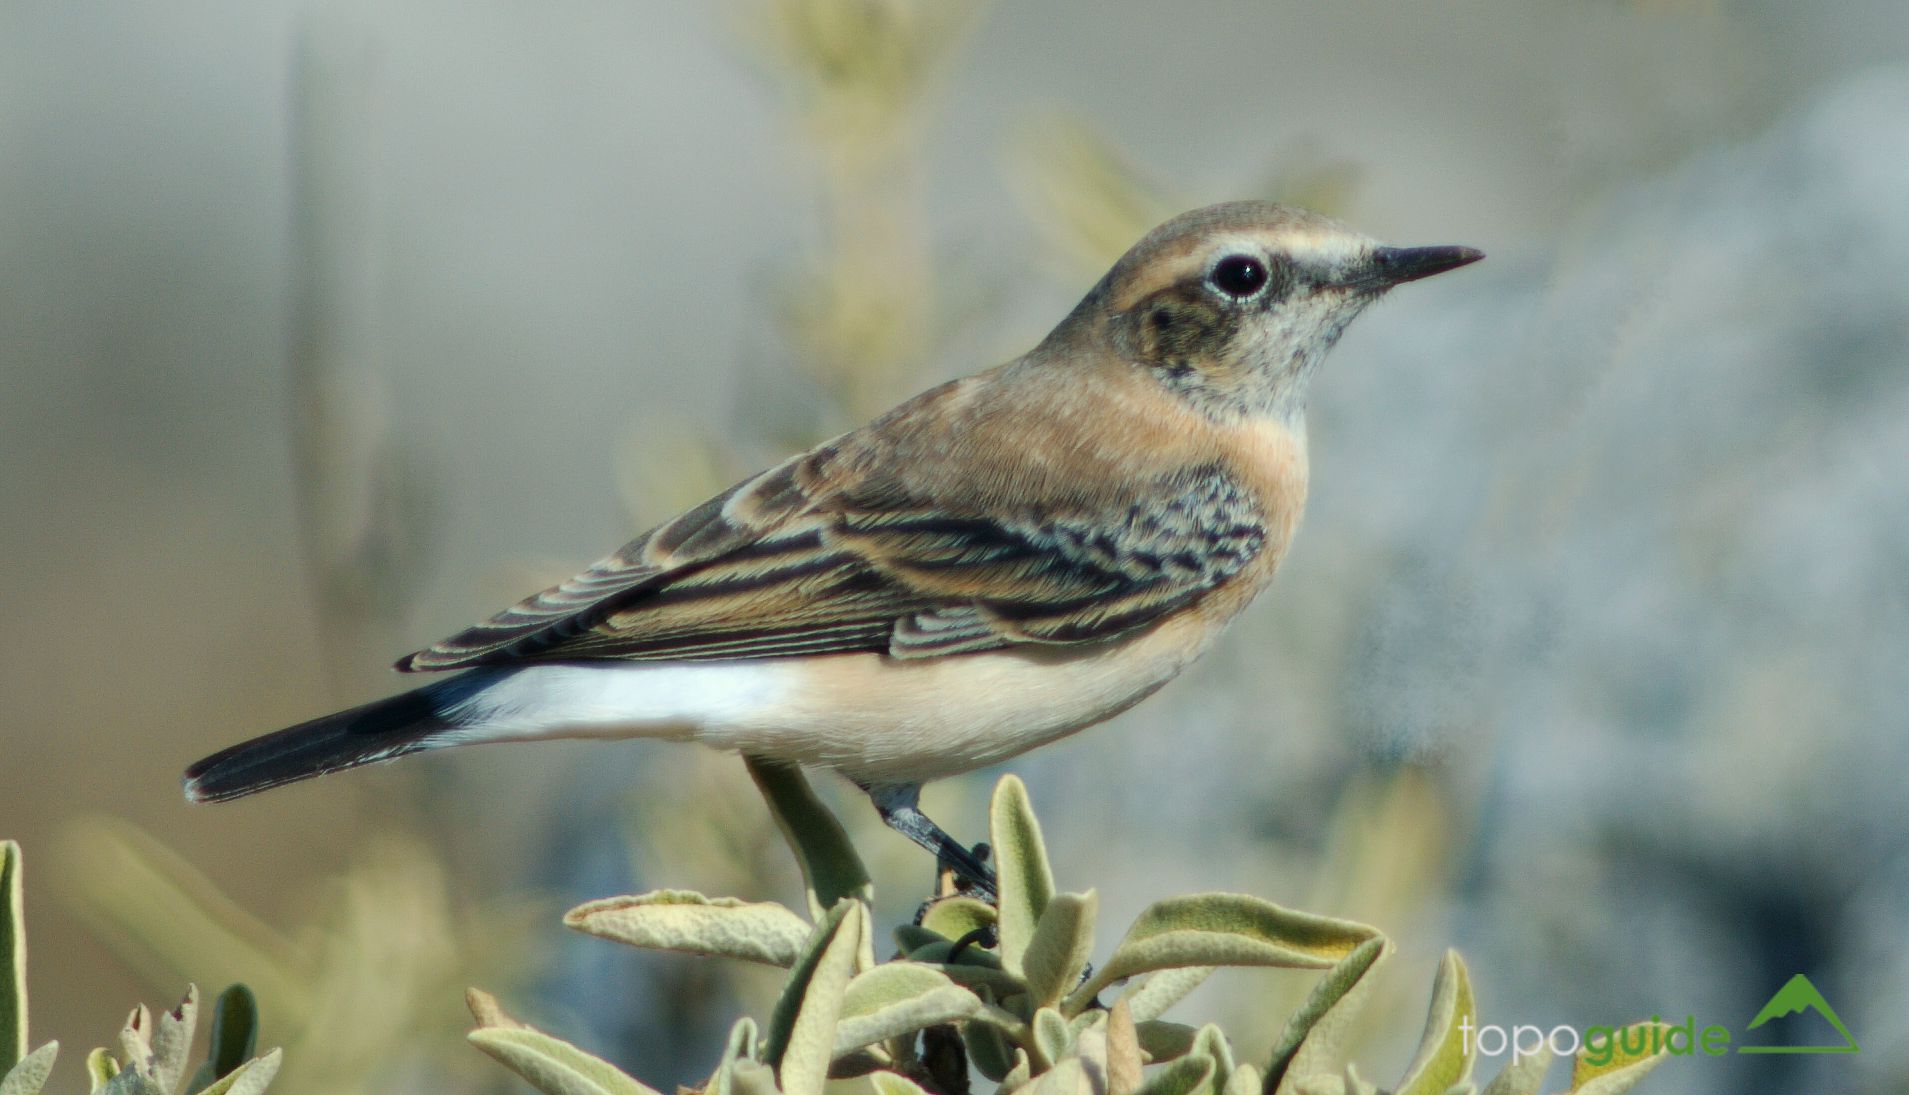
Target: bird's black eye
[1238, 276]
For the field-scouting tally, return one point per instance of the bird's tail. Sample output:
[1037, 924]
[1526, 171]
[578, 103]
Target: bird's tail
[382, 730]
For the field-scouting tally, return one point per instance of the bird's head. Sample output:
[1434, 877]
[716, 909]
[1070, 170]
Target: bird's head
[1233, 306]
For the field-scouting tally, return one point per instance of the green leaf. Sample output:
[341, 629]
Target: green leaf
[1057, 952]
[789, 1003]
[131, 1081]
[939, 950]
[897, 998]
[1523, 1076]
[233, 1040]
[689, 923]
[1189, 1074]
[487, 1011]
[1164, 1041]
[742, 1041]
[1211, 1042]
[802, 1031]
[1052, 1037]
[101, 1067]
[957, 917]
[1025, 882]
[740, 1047]
[1067, 1077]
[1349, 1083]
[13, 961]
[988, 1048]
[552, 1065]
[1624, 1068]
[1313, 1034]
[973, 975]
[752, 1078]
[830, 867]
[1224, 930]
[1152, 997]
[249, 1078]
[1245, 1080]
[1444, 1057]
[893, 1083]
[1018, 1075]
[27, 1075]
[910, 938]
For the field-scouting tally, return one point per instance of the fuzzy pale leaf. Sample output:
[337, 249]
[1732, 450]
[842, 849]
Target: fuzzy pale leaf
[1057, 952]
[1312, 1036]
[552, 1065]
[741, 1047]
[1225, 930]
[1211, 1042]
[988, 1048]
[1164, 1041]
[689, 923]
[1246, 1080]
[1186, 1076]
[893, 1083]
[1026, 883]
[135, 1041]
[1052, 1036]
[898, 998]
[250, 1078]
[28, 1074]
[802, 1049]
[172, 1040]
[1444, 1056]
[1017, 1076]
[956, 917]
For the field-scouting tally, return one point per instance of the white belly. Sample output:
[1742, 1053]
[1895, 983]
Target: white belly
[874, 719]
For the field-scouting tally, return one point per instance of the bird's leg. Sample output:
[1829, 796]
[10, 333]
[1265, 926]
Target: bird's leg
[897, 804]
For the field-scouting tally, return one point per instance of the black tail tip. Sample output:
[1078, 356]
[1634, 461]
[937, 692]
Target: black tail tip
[201, 786]
[378, 731]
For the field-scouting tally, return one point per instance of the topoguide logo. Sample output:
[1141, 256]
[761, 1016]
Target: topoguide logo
[1602, 1045]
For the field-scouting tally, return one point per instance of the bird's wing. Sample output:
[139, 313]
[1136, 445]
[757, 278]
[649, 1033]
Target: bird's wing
[835, 552]
[745, 574]
[1067, 575]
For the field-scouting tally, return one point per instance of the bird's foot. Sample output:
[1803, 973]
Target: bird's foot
[969, 869]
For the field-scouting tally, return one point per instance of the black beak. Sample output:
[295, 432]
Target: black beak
[1393, 265]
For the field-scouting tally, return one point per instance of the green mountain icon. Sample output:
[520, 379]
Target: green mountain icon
[1795, 997]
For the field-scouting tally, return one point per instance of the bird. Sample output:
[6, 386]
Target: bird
[994, 564]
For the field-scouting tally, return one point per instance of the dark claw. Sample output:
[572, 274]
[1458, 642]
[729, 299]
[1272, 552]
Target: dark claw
[983, 936]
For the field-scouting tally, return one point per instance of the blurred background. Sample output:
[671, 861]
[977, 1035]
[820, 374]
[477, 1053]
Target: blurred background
[328, 328]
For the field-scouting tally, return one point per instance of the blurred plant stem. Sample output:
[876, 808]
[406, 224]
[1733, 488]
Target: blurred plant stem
[857, 77]
[360, 524]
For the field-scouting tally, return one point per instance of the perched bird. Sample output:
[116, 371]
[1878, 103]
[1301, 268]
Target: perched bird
[994, 564]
